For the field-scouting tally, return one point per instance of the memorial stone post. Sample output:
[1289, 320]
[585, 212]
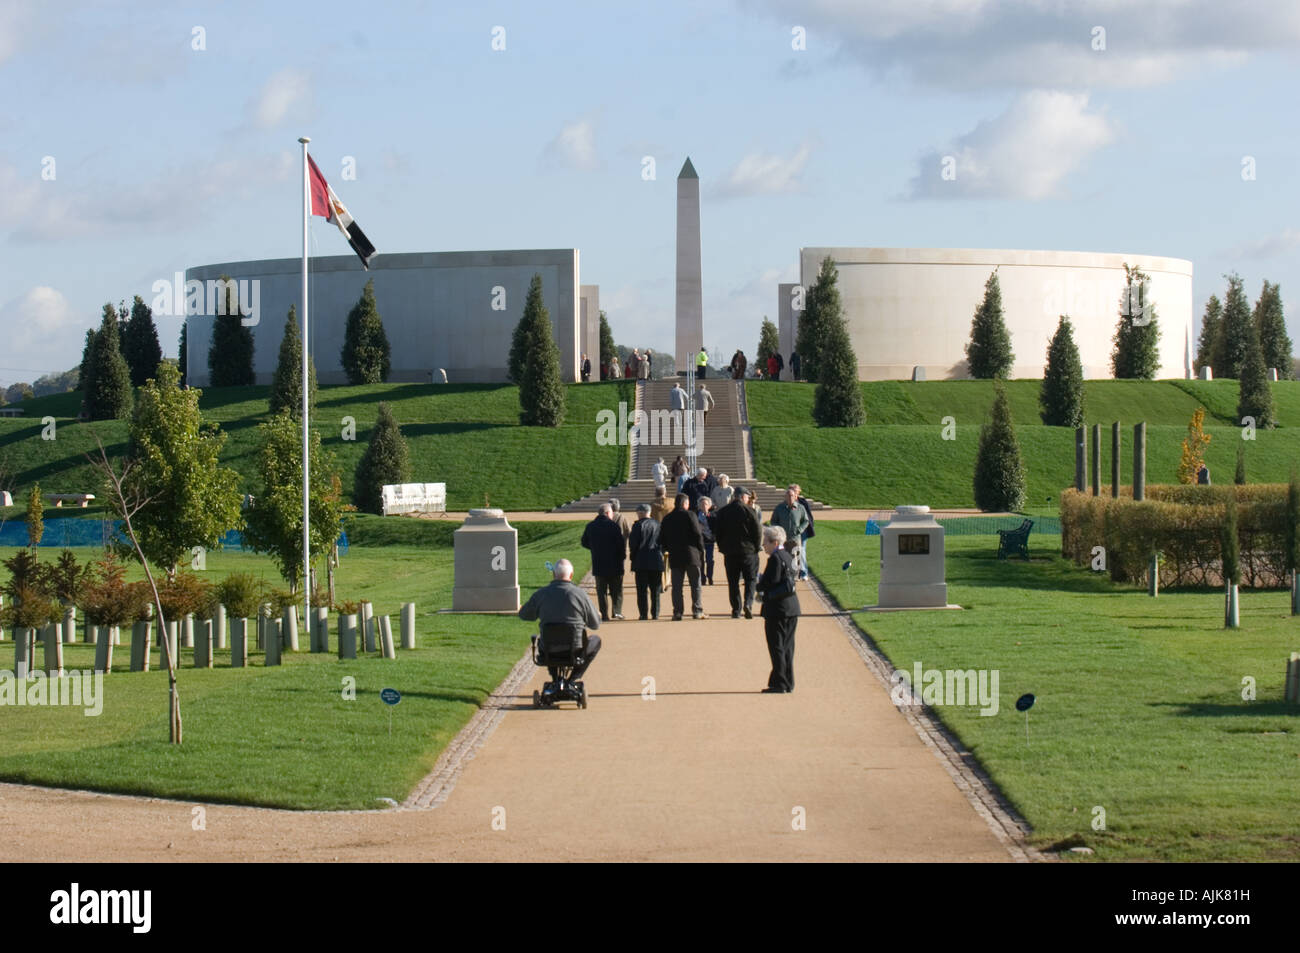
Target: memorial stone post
[408, 625]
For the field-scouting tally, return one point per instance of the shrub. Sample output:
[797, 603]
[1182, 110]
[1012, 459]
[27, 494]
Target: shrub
[241, 594]
[1061, 395]
[109, 599]
[1194, 445]
[386, 461]
[988, 352]
[187, 594]
[1184, 524]
[366, 355]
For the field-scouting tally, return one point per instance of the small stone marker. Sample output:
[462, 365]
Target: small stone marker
[408, 625]
[172, 645]
[22, 664]
[70, 624]
[203, 644]
[238, 643]
[187, 631]
[220, 626]
[140, 634]
[386, 637]
[1292, 690]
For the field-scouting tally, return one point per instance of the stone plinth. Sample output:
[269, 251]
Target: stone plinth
[487, 564]
[911, 561]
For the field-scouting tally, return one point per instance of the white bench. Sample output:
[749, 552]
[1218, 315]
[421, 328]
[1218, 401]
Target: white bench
[414, 498]
[81, 499]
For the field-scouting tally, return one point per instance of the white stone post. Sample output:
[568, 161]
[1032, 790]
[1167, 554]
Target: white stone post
[386, 637]
[273, 642]
[70, 624]
[368, 625]
[220, 626]
[103, 649]
[322, 629]
[22, 656]
[187, 631]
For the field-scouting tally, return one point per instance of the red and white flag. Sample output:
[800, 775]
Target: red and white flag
[326, 204]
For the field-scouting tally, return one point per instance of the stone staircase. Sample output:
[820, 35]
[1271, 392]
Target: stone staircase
[723, 448]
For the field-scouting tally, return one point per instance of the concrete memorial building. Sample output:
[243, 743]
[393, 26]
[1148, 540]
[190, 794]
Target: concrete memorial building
[909, 310]
[452, 311]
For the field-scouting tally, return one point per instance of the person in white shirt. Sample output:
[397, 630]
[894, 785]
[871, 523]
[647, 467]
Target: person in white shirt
[660, 471]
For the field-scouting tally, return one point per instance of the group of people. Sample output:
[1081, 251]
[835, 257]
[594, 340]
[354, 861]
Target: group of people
[770, 369]
[638, 366]
[673, 540]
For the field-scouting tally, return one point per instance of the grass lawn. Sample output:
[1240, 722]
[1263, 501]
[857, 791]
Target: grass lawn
[465, 435]
[285, 737]
[1139, 701]
[900, 456]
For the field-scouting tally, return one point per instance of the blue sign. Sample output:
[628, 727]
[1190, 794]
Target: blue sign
[391, 696]
[873, 529]
[1025, 702]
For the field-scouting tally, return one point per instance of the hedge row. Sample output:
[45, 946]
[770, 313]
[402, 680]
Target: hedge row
[1182, 523]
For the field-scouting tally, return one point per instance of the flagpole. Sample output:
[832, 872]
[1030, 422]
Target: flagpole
[306, 478]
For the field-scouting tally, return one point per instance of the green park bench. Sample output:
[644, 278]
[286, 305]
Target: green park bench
[1015, 541]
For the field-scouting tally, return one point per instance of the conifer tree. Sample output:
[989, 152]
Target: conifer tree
[608, 352]
[84, 370]
[1061, 396]
[230, 355]
[140, 345]
[1255, 396]
[109, 393]
[769, 341]
[999, 471]
[286, 386]
[1211, 324]
[1271, 328]
[822, 299]
[366, 356]
[541, 391]
[1136, 354]
[837, 401]
[386, 461]
[1235, 333]
[988, 352]
[183, 362]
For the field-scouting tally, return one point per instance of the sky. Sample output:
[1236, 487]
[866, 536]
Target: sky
[138, 139]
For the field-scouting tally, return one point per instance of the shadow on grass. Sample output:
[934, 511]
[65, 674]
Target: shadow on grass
[405, 392]
[1255, 709]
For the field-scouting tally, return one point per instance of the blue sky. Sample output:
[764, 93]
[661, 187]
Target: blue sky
[167, 156]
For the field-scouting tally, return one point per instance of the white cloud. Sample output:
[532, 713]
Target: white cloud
[286, 91]
[37, 210]
[1025, 153]
[762, 174]
[575, 145]
[43, 334]
[1270, 246]
[965, 44]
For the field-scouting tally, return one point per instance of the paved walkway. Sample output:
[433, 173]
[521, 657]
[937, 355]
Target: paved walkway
[709, 770]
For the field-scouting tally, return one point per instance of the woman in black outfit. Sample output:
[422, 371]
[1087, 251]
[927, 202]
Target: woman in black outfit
[780, 609]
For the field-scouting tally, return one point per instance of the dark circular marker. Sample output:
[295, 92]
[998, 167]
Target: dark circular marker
[1025, 702]
[847, 565]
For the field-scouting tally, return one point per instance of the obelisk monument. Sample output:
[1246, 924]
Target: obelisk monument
[690, 296]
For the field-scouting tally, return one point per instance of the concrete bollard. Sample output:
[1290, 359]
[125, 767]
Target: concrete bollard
[238, 643]
[187, 631]
[322, 629]
[70, 624]
[319, 621]
[103, 649]
[140, 634]
[52, 636]
[386, 637]
[219, 626]
[203, 644]
[1292, 690]
[290, 625]
[263, 615]
[408, 625]
[347, 636]
[2, 628]
[89, 634]
[368, 625]
[274, 637]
